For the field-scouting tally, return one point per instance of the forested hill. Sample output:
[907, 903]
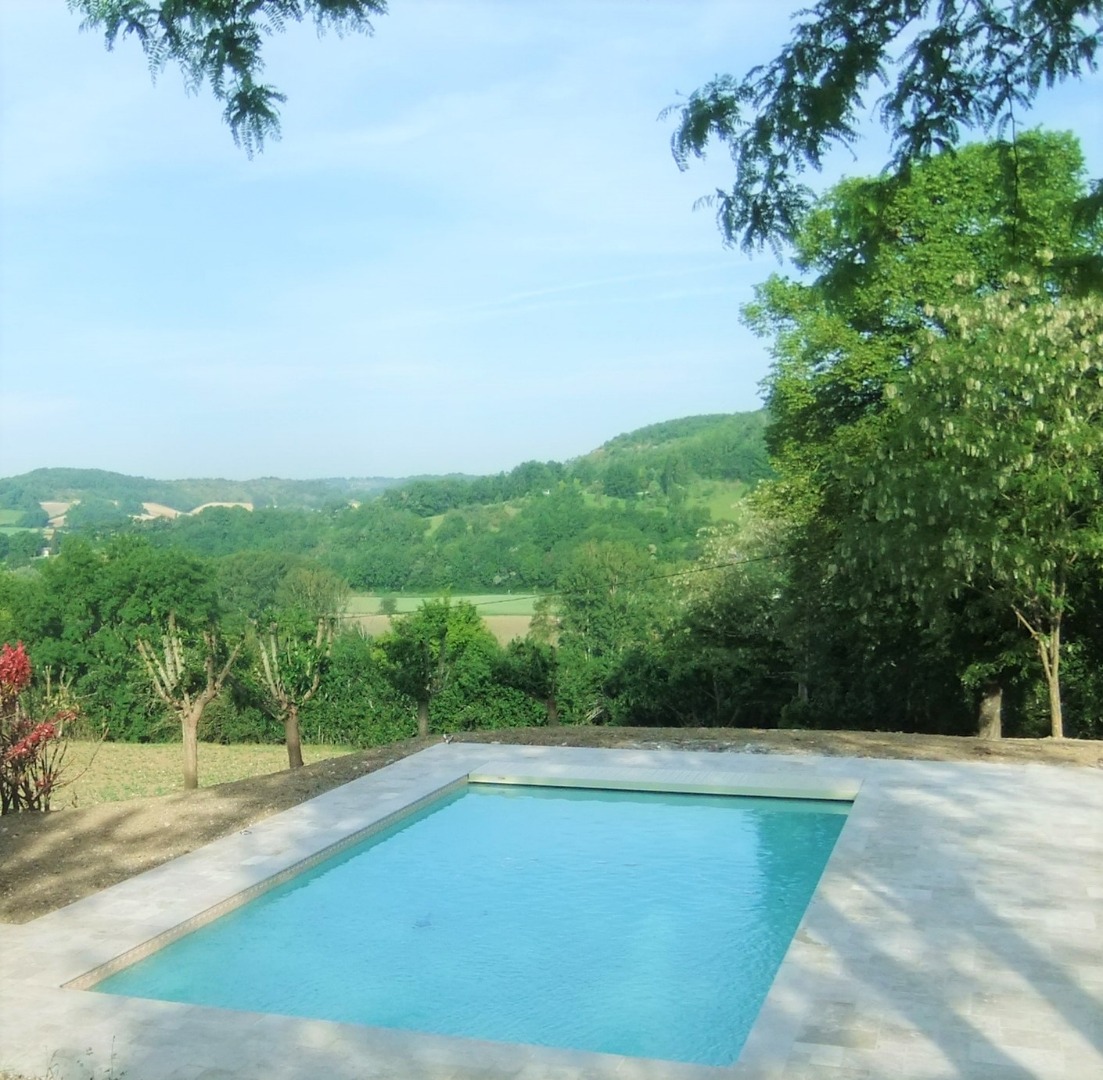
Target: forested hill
[653, 458]
[128, 494]
[652, 490]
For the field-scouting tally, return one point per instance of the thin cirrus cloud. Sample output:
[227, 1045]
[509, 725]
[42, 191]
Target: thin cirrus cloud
[471, 246]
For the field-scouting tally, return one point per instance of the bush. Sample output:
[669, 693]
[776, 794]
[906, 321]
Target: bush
[31, 751]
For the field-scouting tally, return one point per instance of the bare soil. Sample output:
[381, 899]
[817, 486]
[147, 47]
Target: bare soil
[49, 860]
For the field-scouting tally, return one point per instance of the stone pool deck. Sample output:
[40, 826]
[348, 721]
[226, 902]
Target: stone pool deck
[957, 933]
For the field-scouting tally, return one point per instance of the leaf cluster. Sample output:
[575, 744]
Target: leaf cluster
[220, 42]
[963, 65]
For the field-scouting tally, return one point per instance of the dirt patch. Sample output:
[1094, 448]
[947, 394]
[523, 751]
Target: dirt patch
[49, 860]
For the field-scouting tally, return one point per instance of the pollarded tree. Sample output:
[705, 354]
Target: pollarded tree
[187, 676]
[294, 653]
[963, 65]
[294, 644]
[988, 476]
[220, 42]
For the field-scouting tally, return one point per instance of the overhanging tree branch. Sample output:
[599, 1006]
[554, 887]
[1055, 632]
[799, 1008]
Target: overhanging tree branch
[961, 64]
[220, 42]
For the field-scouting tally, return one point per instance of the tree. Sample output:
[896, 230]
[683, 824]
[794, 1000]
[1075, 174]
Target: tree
[186, 687]
[424, 650]
[532, 666]
[988, 477]
[964, 64]
[881, 257]
[606, 606]
[220, 42]
[294, 651]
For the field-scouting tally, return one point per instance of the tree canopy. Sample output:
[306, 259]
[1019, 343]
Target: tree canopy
[946, 68]
[219, 42]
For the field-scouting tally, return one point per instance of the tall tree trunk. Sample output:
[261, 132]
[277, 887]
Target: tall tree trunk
[990, 719]
[291, 737]
[1047, 640]
[1053, 680]
[553, 710]
[423, 717]
[189, 723]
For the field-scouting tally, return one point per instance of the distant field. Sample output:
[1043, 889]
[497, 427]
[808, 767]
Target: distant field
[118, 771]
[10, 517]
[488, 604]
[722, 497]
[506, 617]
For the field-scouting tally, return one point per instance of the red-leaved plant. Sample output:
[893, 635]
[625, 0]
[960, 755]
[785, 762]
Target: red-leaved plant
[31, 751]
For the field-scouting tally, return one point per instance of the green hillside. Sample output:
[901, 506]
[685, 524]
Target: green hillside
[127, 493]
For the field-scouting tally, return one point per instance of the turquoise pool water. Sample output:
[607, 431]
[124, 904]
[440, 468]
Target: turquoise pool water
[633, 923]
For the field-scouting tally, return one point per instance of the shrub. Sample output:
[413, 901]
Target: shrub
[31, 750]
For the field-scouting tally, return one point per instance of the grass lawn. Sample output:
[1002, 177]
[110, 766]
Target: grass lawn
[488, 604]
[116, 771]
[721, 497]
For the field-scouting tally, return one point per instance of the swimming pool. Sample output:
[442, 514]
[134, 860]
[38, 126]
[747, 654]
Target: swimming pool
[633, 923]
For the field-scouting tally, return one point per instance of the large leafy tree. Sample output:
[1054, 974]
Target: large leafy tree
[220, 43]
[988, 476]
[426, 651]
[608, 604]
[945, 68]
[881, 257]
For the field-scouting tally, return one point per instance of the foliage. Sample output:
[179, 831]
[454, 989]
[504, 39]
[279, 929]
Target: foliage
[885, 254]
[220, 43]
[185, 496]
[964, 65]
[607, 605]
[531, 666]
[294, 650]
[442, 646]
[988, 476]
[32, 751]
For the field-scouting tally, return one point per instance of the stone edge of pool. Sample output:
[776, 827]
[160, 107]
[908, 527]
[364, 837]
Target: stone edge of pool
[836, 1008]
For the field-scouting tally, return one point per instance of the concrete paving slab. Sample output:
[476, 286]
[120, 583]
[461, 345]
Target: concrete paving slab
[954, 934]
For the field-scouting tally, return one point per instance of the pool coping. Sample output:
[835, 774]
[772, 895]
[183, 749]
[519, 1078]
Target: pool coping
[812, 1024]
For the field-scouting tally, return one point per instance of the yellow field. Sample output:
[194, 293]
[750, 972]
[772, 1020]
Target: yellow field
[488, 604]
[506, 617]
[504, 627]
[115, 771]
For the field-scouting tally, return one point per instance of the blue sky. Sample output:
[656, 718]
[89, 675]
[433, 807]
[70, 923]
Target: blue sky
[470, 248]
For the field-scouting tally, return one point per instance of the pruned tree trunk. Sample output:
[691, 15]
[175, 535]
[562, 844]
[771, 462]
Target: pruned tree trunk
[291, 737]
[189, 728]
[423, 717]
[990, 718]
[553, 710]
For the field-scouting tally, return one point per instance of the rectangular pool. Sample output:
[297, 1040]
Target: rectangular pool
[638, 923]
